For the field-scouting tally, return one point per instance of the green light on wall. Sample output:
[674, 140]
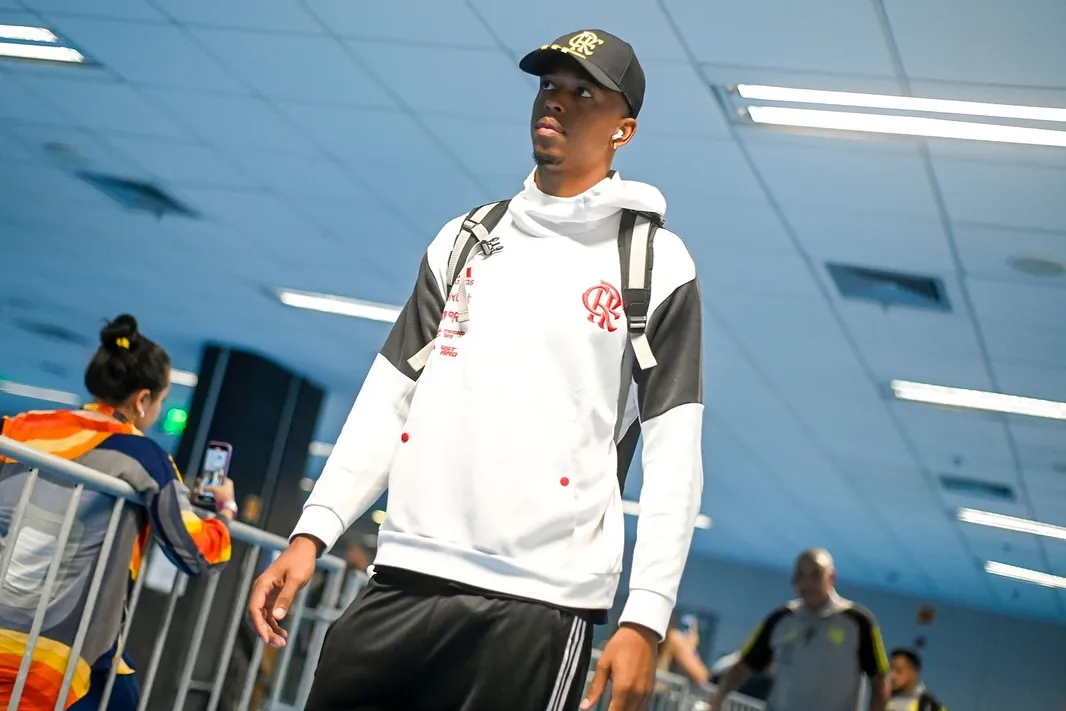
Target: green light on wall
[174, 421]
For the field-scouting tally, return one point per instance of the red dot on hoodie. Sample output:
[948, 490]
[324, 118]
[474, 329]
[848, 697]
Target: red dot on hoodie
[564, 481]
[404, 437]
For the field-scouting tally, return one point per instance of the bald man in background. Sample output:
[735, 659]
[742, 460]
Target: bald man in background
[825, 648]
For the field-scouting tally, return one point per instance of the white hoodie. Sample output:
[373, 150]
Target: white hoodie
[503, 457]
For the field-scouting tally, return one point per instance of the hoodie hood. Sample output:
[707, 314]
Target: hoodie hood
[542, 215]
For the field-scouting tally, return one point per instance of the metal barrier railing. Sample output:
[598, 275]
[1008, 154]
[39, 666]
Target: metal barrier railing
[674, 692]
[80, 478]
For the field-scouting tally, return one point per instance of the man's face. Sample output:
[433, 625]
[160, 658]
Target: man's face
[574, 119]
[814, 581]
[903, 674]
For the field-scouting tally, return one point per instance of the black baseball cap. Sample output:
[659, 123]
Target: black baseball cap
[608, 59]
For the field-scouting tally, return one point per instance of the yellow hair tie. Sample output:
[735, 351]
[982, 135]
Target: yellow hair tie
[123, 343]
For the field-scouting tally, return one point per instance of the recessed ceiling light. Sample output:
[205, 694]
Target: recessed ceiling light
[1037, 266]
[320, 449]
[184, 378]
[885, 124]
[27, 33]
[35, 393]
[632, 508]
[1011, 523]
[44, 53]
[899, 103]
[978, 400]
[1025, 574]
[342, 305]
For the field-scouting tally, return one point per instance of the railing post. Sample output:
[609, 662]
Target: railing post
[46, 594]
[90, 602]
[251, 558]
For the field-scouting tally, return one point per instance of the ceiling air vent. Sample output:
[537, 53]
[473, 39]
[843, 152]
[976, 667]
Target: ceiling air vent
[136, 195]
[889, 288]
[52, 332]
[974, 487]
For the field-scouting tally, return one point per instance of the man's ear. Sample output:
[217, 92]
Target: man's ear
[627, 128]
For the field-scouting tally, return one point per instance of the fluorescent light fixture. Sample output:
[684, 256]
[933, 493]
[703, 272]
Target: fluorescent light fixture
[632, 508]
[27, 34]
[978, 400]
[35, 393]
[341, 305]
[905, 126]
[1025, 574]
[183, 377]
[1011, 523]
[378, 517]
[47, 53]
[899, 103]
[320, 449]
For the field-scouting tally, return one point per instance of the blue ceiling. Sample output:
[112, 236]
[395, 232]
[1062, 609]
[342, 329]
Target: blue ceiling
[325, 141]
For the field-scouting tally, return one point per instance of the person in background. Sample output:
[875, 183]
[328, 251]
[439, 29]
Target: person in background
[824, 647]
[128, 378]
[679, 652]
[908, 691]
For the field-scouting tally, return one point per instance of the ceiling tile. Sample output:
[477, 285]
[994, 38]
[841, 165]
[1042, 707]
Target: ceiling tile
[294, 67]
[369, 139]
[678, 102]
[124, 9]
[635, 21]
[1019, 305]
[407, 22]
[184, 163]
[105, 107]
[1019, 344]
[429, 199]
[707, 225]
[129, 48]
[709, 169]
[847, 178]
[1026, 196]
[986, 251]
[1033, 381]
[779, 33]
[233, 123]
[985, 41]
[727, 267]
[277, 15]
[425, 79]
[504, 147]
[20, 104]
[878, 241]
[301, 176]
[70, 148]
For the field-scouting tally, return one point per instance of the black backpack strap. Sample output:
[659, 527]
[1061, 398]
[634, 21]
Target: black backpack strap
[636, 233]
[475, 232]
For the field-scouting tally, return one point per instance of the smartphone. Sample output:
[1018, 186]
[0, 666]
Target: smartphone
[213, 472]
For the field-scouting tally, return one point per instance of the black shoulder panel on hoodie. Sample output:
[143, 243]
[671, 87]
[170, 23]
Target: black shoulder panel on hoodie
[417, 323]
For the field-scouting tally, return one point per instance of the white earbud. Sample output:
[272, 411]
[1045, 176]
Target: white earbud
[618, 135]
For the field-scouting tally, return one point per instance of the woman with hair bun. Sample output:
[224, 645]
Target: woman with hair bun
[128, 378]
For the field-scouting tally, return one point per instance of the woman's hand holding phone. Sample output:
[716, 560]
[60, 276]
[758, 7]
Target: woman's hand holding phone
[225, 498]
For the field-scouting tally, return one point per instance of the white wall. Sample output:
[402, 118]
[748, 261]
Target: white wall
[975, 661]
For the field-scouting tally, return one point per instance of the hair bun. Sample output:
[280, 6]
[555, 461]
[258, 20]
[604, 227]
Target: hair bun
[118, 332]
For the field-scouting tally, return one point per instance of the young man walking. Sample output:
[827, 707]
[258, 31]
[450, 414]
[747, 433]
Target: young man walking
[543, 335]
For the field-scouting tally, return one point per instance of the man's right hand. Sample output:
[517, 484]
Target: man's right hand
[274, 590]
